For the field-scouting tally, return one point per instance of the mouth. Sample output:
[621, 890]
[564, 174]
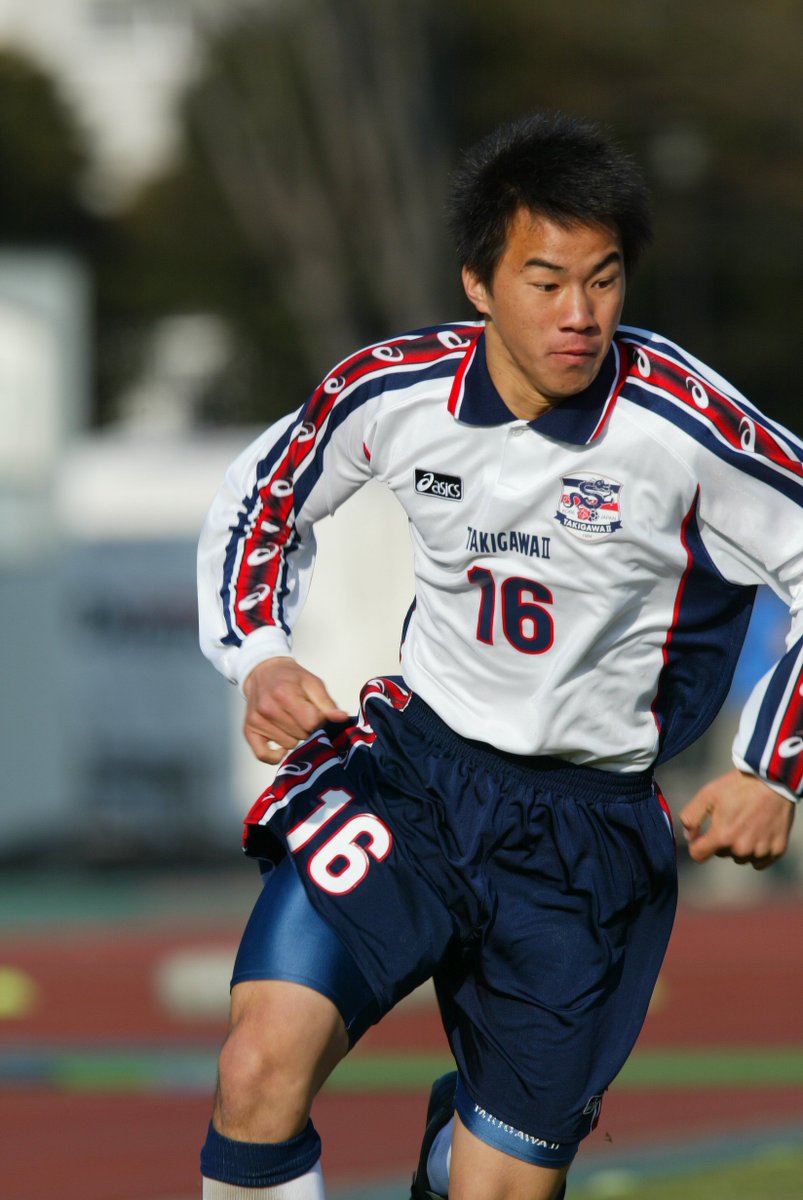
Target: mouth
[574, 355]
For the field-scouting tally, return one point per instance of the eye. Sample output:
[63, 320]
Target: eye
[606, 282]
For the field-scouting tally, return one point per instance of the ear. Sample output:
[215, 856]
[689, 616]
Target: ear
[475, 290]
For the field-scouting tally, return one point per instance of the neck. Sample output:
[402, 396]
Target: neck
[523, 400]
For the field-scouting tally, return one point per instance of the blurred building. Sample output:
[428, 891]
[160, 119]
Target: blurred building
[43, 394]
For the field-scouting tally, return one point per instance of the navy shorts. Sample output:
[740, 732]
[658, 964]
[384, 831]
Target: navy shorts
[540, 896]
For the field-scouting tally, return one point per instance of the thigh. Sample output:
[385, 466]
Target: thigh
[288, 1023]
[287, 939]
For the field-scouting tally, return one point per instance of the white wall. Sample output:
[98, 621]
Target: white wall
[116, 489]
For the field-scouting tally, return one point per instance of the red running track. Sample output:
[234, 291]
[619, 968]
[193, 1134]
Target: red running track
[731, 978]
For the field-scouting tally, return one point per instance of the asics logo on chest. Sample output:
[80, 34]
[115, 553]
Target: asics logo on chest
[445, 487]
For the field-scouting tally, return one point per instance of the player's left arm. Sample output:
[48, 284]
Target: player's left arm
[738, 816]
[751, 523]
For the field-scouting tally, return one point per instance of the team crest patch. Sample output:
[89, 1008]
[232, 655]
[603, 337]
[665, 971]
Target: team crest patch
[589, 506]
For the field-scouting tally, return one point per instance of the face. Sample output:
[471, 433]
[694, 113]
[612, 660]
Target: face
[552, 309]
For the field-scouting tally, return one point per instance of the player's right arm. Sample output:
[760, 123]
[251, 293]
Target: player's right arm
[256, 556]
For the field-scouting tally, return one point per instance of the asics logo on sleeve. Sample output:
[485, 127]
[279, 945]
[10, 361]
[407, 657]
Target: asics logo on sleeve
[446, 487]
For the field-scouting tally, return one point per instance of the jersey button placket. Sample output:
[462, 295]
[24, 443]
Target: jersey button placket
[516, 467]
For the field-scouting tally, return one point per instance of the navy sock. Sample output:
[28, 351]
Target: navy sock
[259, 1164]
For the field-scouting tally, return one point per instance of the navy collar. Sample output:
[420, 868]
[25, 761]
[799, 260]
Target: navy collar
[577, 420]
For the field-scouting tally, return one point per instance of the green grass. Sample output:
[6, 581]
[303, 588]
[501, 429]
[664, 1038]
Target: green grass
[731, 1066]
[772, 1175]
[177, 1067]
[727, 1066]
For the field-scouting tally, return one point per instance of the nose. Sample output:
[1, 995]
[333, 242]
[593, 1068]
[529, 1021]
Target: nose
[578, 311]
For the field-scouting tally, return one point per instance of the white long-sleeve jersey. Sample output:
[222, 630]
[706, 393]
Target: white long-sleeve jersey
[583, 581]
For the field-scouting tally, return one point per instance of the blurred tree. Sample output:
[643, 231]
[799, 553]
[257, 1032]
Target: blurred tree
[178, 250]
[307, 209]
[43, 154]
[325, 127]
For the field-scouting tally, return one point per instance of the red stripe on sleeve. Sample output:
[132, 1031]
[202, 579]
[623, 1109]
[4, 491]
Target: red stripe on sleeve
[786, 763]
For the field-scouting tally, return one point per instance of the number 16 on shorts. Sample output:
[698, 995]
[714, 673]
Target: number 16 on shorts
[343, 861]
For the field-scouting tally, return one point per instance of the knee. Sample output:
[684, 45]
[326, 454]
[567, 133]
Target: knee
[252, 1063]
[260, 1087]
[284, 1041]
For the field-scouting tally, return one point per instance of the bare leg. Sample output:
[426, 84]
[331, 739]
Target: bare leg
[480, 1172]
[283, 1041]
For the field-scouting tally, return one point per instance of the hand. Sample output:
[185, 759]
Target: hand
[284, 703]
[738, 816]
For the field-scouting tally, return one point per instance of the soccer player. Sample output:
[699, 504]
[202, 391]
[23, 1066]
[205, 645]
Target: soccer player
[591, 509]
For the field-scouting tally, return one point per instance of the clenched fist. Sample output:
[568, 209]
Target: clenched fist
[284, 704]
